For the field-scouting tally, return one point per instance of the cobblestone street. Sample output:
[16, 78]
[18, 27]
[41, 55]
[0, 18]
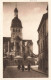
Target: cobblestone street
[13, 72]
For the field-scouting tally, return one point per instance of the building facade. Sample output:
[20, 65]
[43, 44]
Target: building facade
[43, 43]
[27, 48]
[6, 45]
[16, 34]
[15, 44]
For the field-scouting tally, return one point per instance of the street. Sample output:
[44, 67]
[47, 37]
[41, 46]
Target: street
[13, 72]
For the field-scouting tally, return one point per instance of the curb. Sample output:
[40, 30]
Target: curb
[39, 72]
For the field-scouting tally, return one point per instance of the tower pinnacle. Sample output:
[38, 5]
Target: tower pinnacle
[16, 5]
[16, 11]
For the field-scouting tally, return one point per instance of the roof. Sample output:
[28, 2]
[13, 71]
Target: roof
[15, 10]
[16, 22]
[18, 38]
[44, 17]
[29, 41]
[6, 39]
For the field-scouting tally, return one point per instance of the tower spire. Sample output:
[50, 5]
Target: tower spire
[16, 11]
[16, 5]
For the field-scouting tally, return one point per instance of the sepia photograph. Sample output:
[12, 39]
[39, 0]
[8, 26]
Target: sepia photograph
[25, 40]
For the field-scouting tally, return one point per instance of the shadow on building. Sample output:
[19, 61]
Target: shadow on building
[43, 43]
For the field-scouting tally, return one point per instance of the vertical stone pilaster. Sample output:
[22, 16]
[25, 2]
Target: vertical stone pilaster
[14, 46]
[8, 47]
[21, 47]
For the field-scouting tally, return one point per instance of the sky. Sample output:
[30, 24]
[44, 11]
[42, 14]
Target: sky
[30, 14]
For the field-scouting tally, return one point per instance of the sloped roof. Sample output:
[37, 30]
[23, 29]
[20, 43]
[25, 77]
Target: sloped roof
[6, 39]
[44, 17]
[16, 22]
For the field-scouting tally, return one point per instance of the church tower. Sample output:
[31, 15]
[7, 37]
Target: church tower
[16, 34]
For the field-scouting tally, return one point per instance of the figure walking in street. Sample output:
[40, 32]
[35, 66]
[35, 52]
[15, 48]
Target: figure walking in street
[29, 67]
[22, 67]
[19, 67]
[11, 57]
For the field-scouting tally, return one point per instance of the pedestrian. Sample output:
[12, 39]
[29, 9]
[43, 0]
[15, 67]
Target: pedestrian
[29, 67]
[22, 67]
[18, 66]
[11, 57]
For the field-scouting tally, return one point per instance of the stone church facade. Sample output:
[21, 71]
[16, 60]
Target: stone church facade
[15, 44]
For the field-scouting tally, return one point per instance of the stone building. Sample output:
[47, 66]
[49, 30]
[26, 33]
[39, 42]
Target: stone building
[43, 43]
[16, 34]
[15, 44]
[27, 47]
[6, 45]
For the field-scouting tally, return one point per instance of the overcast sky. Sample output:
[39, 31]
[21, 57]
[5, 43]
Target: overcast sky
[30, 14]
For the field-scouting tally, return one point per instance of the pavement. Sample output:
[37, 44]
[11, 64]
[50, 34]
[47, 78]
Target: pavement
[13, 72]
[35, 68]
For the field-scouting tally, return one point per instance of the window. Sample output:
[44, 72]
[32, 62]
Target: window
[13, 30]
[16, 30]
[41, 47]
[44, 29]
[19, 30]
